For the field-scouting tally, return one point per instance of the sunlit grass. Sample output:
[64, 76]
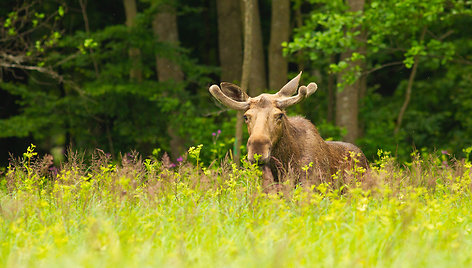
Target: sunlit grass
[140, 213]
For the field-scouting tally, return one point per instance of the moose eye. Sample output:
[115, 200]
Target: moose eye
[279, 116]
[245, 118]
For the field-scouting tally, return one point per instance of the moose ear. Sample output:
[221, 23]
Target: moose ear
[229, 101]
[234, 92]
[290, 88]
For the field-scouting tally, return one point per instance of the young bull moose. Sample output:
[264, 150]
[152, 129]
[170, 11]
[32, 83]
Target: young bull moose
[287, 143]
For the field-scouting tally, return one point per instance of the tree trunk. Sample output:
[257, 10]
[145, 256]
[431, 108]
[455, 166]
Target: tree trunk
[257, 76]
[279, 32]
[230, 40]
[347, 108]
[246, 71]
[347, 98]
[300, 58]
[165, 29]
[134, 53]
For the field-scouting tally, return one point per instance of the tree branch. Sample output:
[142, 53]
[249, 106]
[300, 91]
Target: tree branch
[44, 70]
[83, 7]
[53, 74]
[382, 66]
[408, 89]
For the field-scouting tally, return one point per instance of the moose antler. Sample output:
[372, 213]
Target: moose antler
[233, 97]
[220, 96]
[290, 88]
[303, 92]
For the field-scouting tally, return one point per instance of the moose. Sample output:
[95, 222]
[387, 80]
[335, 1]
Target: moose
[287, 143]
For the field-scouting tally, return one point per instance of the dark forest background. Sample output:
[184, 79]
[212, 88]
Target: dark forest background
[134, 74]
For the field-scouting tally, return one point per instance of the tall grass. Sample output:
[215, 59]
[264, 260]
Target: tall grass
[150, 213]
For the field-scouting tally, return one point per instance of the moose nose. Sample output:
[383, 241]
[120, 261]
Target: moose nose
[260, 146]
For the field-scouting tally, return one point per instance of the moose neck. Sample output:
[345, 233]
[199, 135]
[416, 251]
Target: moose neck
[287, 149]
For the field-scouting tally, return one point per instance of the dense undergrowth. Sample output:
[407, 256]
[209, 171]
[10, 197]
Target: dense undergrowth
[148, 212]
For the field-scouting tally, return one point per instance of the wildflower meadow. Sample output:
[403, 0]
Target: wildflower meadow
[150, 212]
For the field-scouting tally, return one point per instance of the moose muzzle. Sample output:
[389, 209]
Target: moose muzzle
[261, 146]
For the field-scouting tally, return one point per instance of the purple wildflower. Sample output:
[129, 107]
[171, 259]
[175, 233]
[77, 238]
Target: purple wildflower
[444, 152]
[213, 134]
[180, 159]
[171, 165]
[219, 131]
[53, 171]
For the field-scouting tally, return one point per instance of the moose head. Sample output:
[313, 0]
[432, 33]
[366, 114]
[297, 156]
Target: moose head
[264, 115]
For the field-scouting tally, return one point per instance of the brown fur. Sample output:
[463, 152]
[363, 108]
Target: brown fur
[327, 156]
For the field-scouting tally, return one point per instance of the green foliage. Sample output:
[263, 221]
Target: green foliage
[97, 105]
[144, 213]
[394, 33]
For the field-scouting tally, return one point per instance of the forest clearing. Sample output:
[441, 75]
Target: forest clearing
[374, 169]
[148, 213]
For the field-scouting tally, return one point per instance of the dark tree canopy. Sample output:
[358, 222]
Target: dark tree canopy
[93, 74]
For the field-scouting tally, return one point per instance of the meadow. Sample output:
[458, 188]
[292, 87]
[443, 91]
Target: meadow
[150, 212]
